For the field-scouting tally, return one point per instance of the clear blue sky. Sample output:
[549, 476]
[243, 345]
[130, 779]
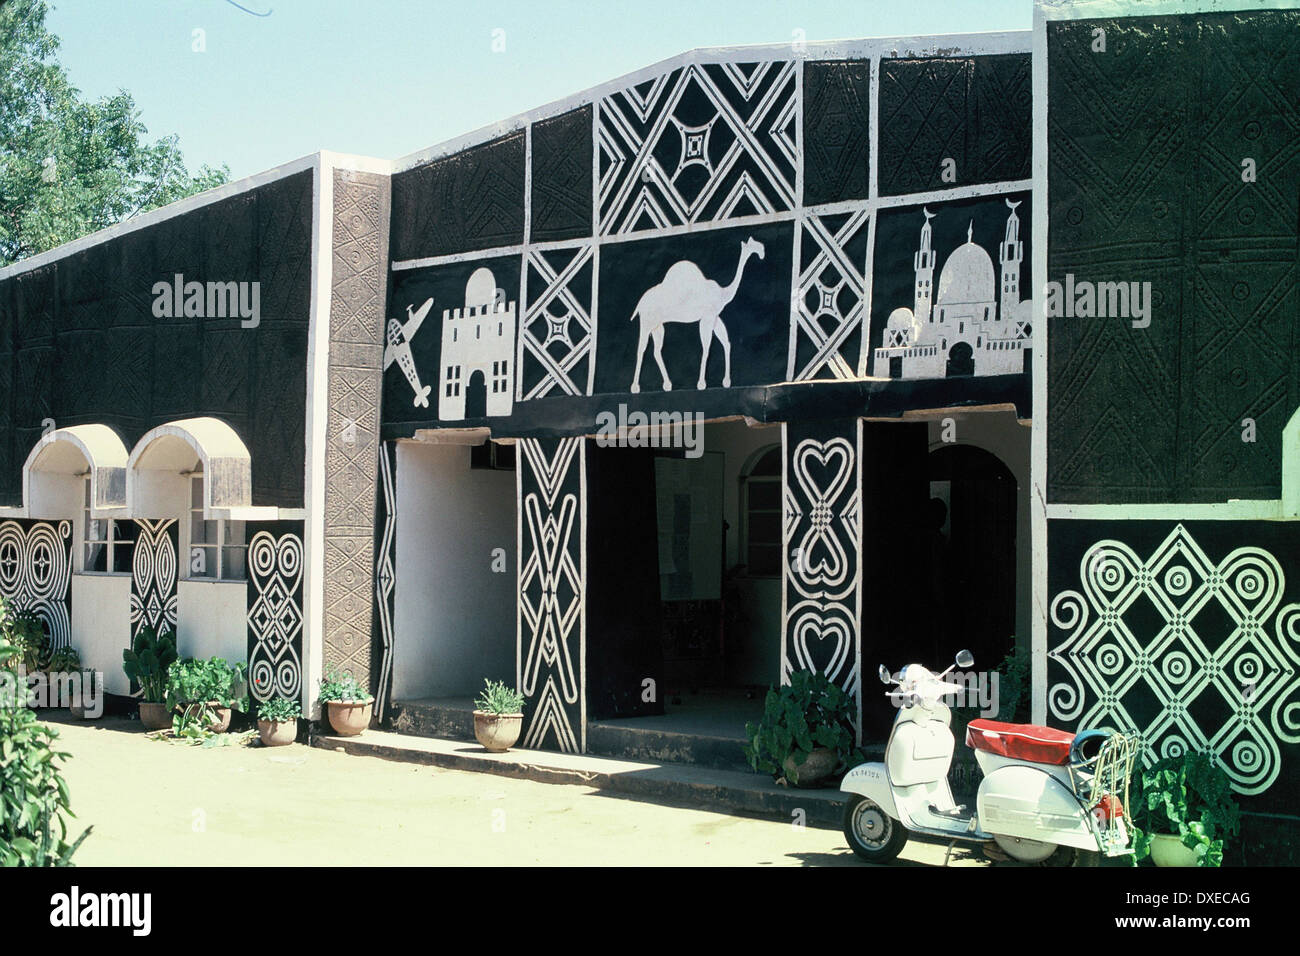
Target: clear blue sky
[389, 77]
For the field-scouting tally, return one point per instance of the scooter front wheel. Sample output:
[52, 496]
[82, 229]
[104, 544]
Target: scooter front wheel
[872, 833]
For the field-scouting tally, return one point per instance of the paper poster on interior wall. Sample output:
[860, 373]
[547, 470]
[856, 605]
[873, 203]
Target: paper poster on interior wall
[952, 290]
[688, 505]
[701, 310]
[450, 342]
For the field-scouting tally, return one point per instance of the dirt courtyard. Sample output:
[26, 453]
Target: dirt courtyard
[163, 803]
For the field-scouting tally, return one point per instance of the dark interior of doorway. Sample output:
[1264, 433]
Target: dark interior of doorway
[938, 554]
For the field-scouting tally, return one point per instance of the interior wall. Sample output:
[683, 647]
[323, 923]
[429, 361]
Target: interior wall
[454, 616]
[212, 619]
[101, 625]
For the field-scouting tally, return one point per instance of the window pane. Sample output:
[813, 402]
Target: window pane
[234, 532]
[123, 555]
[203, 562]
[765, 529]
[232, 564]
[96, 529]
[198, 528]
[96, 557]
[765, 560]
[769, 464]
[765, 495]
[196, 492]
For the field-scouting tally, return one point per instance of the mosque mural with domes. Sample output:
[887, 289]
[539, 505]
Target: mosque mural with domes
[951, 296]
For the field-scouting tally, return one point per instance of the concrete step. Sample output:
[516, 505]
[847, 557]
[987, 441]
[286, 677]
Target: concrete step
[723, 791]
[451, 719]
[665, 746]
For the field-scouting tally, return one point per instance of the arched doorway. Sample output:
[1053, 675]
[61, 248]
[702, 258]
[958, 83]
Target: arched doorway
[961, 360]
[476, 395]
[971, 530]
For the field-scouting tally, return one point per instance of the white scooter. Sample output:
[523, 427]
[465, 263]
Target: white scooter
[1043, 789]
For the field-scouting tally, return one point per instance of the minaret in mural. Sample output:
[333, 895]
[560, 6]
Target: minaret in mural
[923, 260]
[1010, 256]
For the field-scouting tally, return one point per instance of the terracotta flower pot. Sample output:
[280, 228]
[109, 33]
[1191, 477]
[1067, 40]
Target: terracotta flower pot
[349, 718]
[497, 732]
[277, 733]
[154, 715]
[220, 721]
[1168, 850]
[819, 765]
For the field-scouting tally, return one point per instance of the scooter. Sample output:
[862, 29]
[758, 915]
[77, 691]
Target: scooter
[1043, 789]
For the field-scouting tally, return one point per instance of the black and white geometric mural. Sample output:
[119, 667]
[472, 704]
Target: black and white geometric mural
[704, 143]
[36, 573]
[1188, 633]
[828, 317]
[275, 618]
[154, 574]
[823, 522]
[558, 333]
[552, 592]
[385, 572]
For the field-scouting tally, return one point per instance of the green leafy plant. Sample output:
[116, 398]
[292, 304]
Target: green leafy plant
[65, 660]
[497, 698]
[34, 801]
[810, 711]
[342, 688]
[279, 709]
[1189, 797]
[193, 680]
[147, 661]
[24, 633]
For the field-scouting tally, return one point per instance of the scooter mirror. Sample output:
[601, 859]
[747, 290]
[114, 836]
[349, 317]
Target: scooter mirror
[965, 658]
[885, 676]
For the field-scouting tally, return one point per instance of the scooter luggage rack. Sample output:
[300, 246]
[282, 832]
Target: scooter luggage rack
[1107, 775]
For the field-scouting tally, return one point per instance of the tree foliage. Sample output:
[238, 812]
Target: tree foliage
[70, 166]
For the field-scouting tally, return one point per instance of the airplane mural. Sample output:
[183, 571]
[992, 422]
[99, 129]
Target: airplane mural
[399, 348]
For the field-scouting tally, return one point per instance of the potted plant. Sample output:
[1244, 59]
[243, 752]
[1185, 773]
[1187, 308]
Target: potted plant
[806, 734]
[498, 716]
[146, 663]
[62, 672]
[277, 721]
[203, 693]
[1184, 813]
[347, 702]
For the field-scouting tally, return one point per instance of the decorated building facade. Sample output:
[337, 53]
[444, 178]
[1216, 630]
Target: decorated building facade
[831, 258]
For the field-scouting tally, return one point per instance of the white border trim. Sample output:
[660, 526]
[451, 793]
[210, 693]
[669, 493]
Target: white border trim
[873, 48]
[161, 214]
[318, 351]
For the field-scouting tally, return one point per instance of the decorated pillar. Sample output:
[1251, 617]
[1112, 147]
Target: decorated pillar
[552, 641]
[822, 577]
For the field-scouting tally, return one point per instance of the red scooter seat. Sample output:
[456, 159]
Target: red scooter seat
[1020, 741]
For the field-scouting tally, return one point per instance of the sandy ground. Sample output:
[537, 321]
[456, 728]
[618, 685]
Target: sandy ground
[163, 803]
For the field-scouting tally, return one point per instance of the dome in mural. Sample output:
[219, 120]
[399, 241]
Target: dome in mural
[967, 276]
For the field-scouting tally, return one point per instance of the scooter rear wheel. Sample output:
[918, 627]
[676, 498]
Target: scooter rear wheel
[872, 833]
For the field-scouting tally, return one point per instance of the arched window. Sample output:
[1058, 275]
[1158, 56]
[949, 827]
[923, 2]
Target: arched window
[760, 509]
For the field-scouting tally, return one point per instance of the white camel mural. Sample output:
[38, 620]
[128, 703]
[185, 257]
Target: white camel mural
[685, 295]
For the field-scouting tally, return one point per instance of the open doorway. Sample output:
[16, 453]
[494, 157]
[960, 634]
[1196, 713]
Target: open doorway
[945, 544]
[455, 592]
[683, 594]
